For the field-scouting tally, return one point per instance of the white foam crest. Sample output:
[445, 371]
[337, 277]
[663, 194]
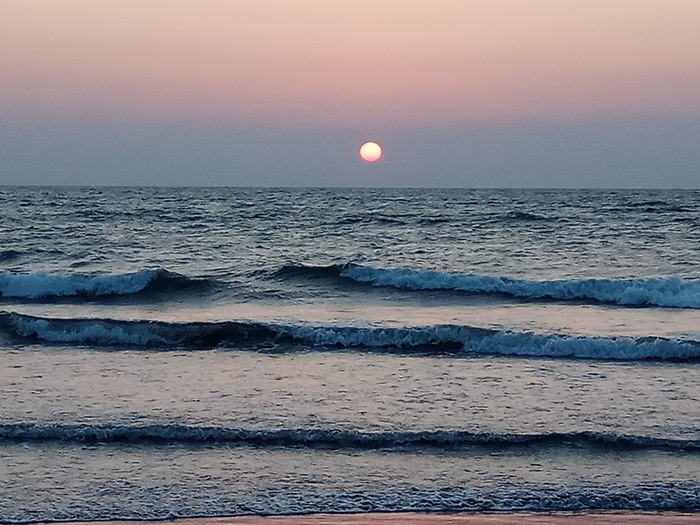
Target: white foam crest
[495, 342]
[88, 331]
[622, 348]
[36, 285]
[433, 339]
[374, 337]
[668, 292]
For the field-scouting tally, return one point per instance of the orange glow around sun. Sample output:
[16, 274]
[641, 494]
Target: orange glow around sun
[370, 151]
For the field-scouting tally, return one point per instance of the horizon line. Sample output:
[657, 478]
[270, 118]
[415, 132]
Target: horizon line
[215, 186]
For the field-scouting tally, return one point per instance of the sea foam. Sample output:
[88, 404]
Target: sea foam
[432, 339]
[666, 292]
[38, 285]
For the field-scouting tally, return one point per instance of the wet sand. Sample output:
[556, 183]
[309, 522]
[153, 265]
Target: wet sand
[399, 518]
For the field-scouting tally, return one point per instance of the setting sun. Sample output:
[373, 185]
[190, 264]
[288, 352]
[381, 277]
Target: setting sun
[370, 151]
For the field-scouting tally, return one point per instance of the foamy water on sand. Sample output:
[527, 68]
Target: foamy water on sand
[233, 352]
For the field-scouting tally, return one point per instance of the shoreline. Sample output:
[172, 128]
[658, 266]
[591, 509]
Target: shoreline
[418, 518]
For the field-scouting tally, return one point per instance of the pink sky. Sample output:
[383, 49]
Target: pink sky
[337, 61]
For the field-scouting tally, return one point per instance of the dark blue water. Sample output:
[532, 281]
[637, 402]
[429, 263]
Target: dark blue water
[180, 352]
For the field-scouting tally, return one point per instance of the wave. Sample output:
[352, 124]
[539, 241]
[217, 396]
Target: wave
[379, 218]
[427, 340]
[332, 438]
[114, 332]
[9, 255]
[44, 285]
[525, 216]
[503, 497]
[667, 292]
[500, 497]
[651, 206]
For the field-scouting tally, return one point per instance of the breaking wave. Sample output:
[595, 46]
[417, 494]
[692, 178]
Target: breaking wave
[432, 340]
[667, 292]
[44, 285]
[331, 438]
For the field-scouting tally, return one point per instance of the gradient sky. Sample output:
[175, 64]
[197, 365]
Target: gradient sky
[466, 93]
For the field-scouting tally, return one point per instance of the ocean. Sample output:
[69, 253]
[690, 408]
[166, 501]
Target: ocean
[228, 351]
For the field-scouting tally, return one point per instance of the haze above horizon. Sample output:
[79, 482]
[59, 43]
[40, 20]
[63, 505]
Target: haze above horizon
[492, 93]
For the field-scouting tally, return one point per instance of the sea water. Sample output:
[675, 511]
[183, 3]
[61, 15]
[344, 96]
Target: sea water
[190, 352]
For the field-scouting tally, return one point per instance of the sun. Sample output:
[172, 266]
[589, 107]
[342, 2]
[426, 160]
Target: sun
[370, 151]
